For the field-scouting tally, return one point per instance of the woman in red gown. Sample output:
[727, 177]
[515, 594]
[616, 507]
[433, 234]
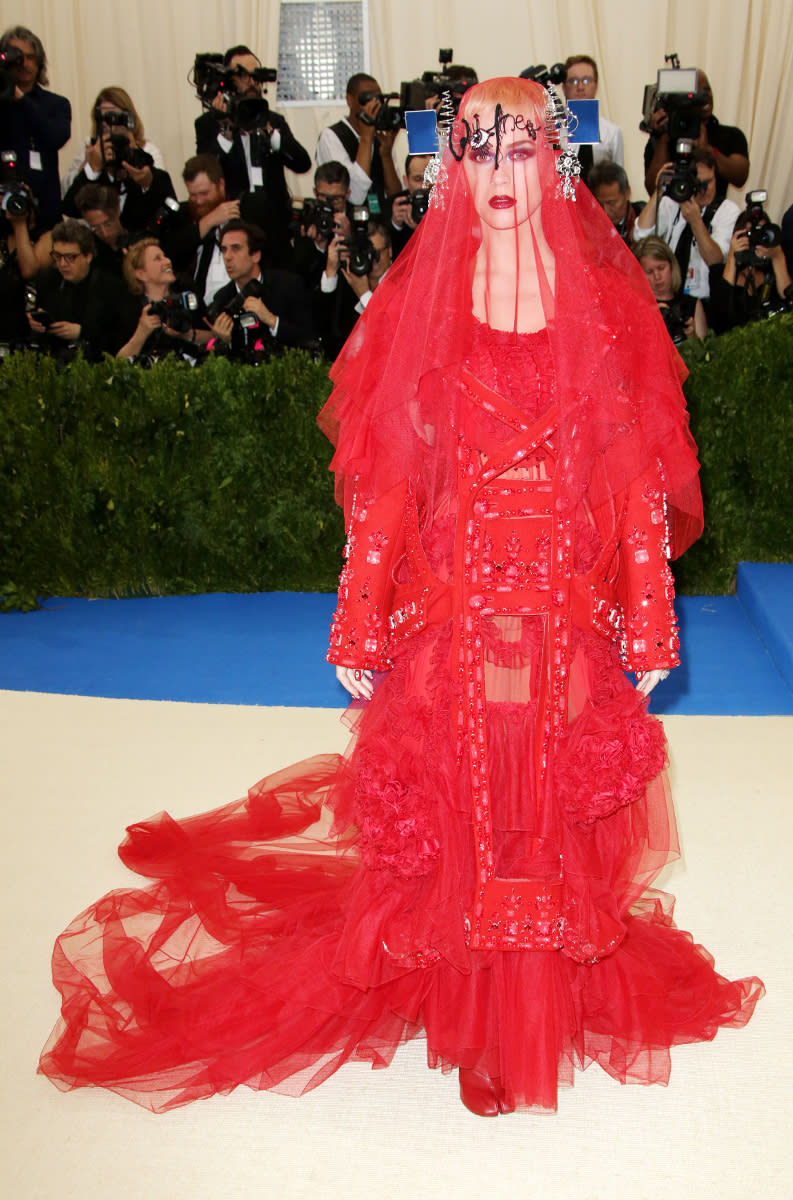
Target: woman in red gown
[513, 454]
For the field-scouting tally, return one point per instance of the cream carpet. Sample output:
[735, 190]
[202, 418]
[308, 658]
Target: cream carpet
[77, 770]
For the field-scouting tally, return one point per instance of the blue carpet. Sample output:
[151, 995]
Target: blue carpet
[268, 649]
[766, 593]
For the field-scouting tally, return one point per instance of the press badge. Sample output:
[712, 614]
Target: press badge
[35, 161]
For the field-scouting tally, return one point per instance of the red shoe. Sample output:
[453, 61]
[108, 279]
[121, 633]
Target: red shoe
[479, 1093]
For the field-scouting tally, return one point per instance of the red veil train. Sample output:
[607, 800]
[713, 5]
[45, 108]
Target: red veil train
[513, 454]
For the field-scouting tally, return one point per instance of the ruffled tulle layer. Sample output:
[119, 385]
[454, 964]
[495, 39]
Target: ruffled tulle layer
[270, 949]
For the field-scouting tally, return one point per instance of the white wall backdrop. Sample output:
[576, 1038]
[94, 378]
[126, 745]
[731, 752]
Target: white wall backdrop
[147, 46]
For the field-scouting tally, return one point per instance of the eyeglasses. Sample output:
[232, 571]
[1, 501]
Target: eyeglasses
[582, 81]
[69, 256]
[338, 203]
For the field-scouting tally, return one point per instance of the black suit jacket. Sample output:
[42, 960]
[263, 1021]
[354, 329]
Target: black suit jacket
[284, 294]
[270, 204]
[139, 207]
[99, 304]
[40, 122]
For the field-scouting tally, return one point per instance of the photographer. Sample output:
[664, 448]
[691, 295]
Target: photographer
[754, 282]
[275, 300]
[409, 206]
[317, 221]
[581, 83]
[76, 302]
[35, 123]
[357, 261]
[683, 315]
[726, 142]
[99, 205]
[697, 229]
[192, 241]
[23, 253]
[609, 185]
[368, 153]
[90, 161]
[253, 145]
[455, 78]
[117, 157]
[165, 323]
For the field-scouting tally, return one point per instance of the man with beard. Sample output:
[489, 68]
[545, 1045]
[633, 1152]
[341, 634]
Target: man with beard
[192, 242]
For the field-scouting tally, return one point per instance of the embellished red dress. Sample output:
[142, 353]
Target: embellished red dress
[497, 819]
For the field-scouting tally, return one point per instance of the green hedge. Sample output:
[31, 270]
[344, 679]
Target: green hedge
[740, 397]
[119, 481]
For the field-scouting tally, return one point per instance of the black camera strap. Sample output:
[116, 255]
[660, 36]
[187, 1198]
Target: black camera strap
[686, 240]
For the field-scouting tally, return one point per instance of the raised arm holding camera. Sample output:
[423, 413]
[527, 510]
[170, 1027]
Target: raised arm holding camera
[363, 143]
[35, 122]
[754, 282]
[408, 208]
[726, 142]
[358, 258]
[317, 221]
[691, 218]
[117, 157]
[253, 143]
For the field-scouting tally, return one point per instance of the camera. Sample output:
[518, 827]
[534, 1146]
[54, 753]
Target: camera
[174, 311]
[235, 307]
[675, 322]
[321, 216]
[211, 77]
[390, 117]
[683, 183]
[33, 309]
[15, 199]
[543, 75]
[10, 58]
[760, 231]
[415, 92]
[676, 93]
[419, 203]
[121, 148]
[359, 254]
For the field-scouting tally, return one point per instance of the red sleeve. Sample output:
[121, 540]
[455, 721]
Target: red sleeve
[375, 542]
[645, 586]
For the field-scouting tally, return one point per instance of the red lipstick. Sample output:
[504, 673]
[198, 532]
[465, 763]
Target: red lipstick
[502, 202]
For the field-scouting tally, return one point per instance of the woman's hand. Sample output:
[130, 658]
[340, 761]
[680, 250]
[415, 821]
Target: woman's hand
[93, 155]
[650, 678]
[358, 683]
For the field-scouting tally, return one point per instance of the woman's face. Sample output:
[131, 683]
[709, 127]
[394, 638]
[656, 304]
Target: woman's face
[502, 171]
[155, 268]
[659, 276]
